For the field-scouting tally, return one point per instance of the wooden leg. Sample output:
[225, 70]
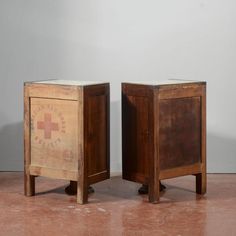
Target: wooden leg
[29, 185]
[154, 192]
[82, 192]
[29, 180]
[201, 183]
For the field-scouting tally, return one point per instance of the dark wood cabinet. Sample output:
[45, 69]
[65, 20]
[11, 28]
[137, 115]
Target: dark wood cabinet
[66, 126]
[164, 132]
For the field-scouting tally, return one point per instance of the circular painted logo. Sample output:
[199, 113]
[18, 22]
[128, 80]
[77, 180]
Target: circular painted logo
[47, 125]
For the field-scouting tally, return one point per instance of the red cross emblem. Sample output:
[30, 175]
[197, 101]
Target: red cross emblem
[48, 126]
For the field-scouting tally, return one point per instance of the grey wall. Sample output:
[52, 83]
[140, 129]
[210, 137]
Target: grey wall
[118, 41]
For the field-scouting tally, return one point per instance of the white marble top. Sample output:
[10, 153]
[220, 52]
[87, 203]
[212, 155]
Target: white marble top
[69, 82]
[165, 82]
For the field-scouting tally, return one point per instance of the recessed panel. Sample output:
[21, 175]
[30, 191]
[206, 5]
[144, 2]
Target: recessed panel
[180, 132]
[54, 138]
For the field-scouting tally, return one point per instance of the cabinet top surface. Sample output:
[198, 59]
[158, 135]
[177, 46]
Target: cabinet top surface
[166, 82]
[69, 82]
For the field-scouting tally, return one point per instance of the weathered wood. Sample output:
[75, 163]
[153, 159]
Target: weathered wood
[66, 133]
[180, 132]
[53, 173]
[154, 186]
[180, 91]
[53, 92]
[171, 121]
[54, 133]
[100, 176]
[29, 180]
[201, 179]
[181, 171]
[82, 185]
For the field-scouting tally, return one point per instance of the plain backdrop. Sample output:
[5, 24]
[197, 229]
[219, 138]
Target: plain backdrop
[115, 41]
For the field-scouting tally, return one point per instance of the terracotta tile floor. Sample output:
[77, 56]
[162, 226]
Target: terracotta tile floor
[117, 209]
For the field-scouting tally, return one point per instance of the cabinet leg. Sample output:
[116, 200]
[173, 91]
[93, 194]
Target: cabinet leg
[82, 193]
[154, 192]
[201, 183]
[29, 185]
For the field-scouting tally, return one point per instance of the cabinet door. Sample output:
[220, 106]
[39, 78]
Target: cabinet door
[136, 137]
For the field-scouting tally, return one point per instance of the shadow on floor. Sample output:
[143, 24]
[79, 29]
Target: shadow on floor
[11, 146]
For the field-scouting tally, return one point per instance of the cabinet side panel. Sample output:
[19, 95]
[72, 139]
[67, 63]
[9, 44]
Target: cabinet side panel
[135, 137]
[96, 122]
[180, 132]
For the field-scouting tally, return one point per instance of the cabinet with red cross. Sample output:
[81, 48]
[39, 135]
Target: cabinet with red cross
[66, 133]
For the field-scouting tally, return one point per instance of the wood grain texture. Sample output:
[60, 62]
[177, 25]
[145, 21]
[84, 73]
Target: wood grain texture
[154, 162]
[181, 171]
[180, 91]
[54, 173]
[164, 134]
[180, 132]
[29, 183]
[82, 184]
[59, 150]
[52, 91]
[67, 134]
[97, 132]
[96, 128]
[201, 179]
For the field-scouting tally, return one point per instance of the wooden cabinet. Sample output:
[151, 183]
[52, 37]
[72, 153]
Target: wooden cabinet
[164, 132]
[66, 130]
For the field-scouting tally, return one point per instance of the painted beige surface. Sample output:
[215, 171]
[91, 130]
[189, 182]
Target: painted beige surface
[54, 141]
